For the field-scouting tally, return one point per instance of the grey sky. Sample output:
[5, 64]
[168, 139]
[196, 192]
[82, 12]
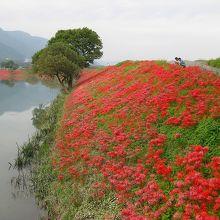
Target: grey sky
[130, 29]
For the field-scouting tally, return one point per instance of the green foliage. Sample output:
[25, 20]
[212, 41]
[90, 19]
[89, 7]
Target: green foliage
[58, 60]
[214, 62]
[9, 64]
[46, 122]
[27, 151]
[35, 58]
[84, 41]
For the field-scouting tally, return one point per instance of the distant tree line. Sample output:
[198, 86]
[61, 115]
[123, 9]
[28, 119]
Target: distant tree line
[9, 64]
[67, 53]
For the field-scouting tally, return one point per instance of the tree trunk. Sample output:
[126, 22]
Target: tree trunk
[70, 82]
[60, 81]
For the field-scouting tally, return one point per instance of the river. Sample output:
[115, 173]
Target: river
[17, 100]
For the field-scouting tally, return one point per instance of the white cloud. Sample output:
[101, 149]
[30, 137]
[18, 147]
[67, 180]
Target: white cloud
[140, 29]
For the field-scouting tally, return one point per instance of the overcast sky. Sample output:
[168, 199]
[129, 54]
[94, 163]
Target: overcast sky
[129, 29]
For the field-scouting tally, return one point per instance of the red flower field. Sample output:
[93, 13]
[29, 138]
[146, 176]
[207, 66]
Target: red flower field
[151, 132]
[8, 75]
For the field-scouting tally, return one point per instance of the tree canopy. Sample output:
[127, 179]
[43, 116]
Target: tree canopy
[67, 53]
[9, 64]
[60, 61]
[84, 41]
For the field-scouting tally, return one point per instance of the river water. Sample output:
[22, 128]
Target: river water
[17, 100]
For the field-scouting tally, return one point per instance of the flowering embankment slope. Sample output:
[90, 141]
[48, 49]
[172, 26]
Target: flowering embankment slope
[151, 132]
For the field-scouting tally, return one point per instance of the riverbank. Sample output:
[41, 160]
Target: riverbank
[35, 154]
[62, 199]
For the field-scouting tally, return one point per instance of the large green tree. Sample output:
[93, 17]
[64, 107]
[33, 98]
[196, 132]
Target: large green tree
[84, 41]
[60, 61]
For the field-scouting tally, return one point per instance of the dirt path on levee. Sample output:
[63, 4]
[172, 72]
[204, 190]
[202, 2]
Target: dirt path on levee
[203, 65]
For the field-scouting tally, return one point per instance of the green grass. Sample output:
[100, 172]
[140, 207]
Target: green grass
[214, 62]
[205, 133]
[122, 62]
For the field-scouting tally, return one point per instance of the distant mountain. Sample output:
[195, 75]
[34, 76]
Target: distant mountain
[19, 45]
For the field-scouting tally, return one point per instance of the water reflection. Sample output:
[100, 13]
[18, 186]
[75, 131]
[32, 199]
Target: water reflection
[20, 96]
[17, 101]
[9, 83]
[20, 185]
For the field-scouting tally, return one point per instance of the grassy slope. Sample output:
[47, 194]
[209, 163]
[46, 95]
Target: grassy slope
[214, 62]
[132, 145]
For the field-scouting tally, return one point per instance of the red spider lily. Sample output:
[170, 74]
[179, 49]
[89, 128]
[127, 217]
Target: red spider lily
[111, 127]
